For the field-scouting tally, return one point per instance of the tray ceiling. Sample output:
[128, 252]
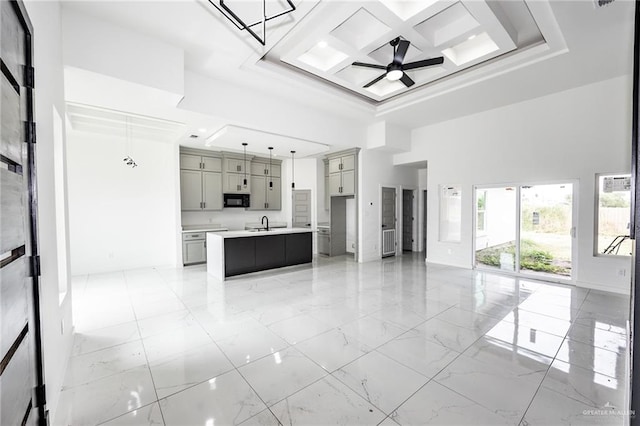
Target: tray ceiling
[466, 33]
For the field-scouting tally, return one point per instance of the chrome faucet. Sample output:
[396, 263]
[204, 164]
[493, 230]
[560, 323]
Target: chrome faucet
[262, 222]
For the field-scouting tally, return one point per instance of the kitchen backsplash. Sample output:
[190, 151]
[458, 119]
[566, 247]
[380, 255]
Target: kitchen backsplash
[232, 218]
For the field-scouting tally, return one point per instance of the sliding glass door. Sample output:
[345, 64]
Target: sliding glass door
[525, 229]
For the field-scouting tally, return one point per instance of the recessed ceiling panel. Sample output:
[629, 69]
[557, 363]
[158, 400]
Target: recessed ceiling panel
[230, 138]
[406, 9]
[361, 29]
[322, 57]
[471, 49]
[358, 75]
[452, 22]
[384, 54]
[385, 87]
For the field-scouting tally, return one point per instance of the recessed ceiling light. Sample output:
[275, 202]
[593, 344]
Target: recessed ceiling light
[202, 129]
[322, 44]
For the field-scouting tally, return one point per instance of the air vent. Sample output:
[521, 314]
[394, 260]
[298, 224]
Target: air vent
[193, 136]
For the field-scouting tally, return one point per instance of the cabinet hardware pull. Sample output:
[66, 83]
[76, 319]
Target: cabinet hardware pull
[204, 204]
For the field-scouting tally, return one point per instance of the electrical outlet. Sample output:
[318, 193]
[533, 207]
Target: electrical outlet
[210, 220]
[622, 272]
[111, 255]
[449, 251]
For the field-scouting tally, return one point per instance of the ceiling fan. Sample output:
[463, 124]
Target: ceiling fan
[396, 69]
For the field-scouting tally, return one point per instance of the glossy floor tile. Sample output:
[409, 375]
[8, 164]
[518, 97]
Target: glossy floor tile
[391, 342]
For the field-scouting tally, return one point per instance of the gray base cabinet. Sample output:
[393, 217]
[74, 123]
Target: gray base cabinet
[251, 254]
[194, 248]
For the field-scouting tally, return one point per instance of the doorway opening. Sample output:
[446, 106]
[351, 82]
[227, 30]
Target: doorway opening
[424, 222]
[408, 219]
[526, 230]
[388, 222]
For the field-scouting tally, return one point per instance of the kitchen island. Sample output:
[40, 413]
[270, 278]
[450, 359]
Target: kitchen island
[240, 252]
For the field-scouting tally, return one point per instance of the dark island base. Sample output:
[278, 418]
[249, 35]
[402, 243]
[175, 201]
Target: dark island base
[252, 254]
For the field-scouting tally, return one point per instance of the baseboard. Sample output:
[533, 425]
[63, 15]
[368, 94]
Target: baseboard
[600, 287]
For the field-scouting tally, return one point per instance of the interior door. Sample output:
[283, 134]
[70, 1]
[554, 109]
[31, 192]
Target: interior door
[388, 222]
[301, 215]
[21, 379]
[407, 220]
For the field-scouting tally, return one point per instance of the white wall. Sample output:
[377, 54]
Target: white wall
[121, 217]
[377, 170]
[568, 135]
[94, 45]
[52, 210]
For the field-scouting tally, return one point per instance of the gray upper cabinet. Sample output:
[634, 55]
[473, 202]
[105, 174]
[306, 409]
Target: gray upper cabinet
[234, 183]
[236, 169]
[200, 182]
[198, 162]
[341, 179]
[211, 191]
[263, 195]
[260, 168]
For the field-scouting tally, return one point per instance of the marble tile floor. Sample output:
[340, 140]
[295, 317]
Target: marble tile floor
[387, 342]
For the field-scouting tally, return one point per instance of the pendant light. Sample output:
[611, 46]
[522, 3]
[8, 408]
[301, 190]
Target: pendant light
[244, 146]
[270, 174]
[293, 170]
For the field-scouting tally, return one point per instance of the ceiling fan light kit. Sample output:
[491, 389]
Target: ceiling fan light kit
[396, 69]
[241, 25]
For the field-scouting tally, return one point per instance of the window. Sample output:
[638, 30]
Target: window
[481, 220]
[613, 212]
[450, 213]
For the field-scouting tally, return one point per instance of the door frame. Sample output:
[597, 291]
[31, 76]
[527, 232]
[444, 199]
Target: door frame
[574, 226]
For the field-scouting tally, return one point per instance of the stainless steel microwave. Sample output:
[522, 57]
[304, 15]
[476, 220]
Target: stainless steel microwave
[236, 200]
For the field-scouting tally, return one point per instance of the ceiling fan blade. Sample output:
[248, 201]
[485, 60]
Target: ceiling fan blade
[376, 66]
[425, 63]
[375, 80]
[407, 80]
[401, 51]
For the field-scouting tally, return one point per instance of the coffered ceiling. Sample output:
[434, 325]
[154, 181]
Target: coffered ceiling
[466, 33]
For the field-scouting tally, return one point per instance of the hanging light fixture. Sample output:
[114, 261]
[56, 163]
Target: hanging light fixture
[242, 25]
[293, 170]
[244, 147]
[270, 174]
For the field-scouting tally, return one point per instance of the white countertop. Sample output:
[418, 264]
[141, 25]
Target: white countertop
[258, 225]
[261, 233]
[211, 227]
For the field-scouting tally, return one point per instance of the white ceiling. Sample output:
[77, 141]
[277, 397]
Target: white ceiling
[583, 44]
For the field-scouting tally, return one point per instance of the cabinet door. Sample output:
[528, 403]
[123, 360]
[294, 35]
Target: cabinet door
[212, 191]
[259, 169]
[235, 166]
[234, 184]
[193, 252]
[348, 182]
[348, 162]
[212, 164]
[334, 165]
[190, 190]
[274, 194]
[190, 162]
[335, 182]
[275, 170]
[257, 199]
